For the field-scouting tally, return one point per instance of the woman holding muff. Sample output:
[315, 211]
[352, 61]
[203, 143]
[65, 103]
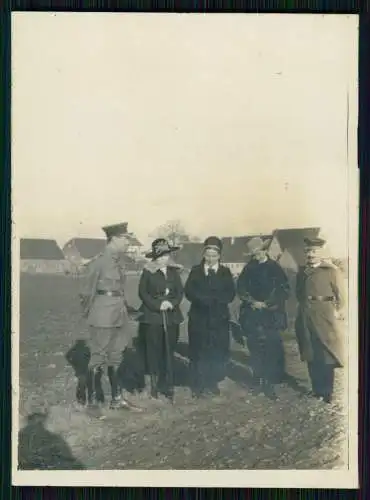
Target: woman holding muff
[161, 292]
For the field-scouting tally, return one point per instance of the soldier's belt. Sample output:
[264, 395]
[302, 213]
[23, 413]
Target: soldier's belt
[110, 293]
[320, 298]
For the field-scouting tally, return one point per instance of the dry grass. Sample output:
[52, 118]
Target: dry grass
[237, 430]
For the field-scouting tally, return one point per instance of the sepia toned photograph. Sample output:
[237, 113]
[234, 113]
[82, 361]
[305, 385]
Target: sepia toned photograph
[184, 251]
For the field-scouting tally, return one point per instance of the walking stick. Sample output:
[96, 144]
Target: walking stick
[169, 372]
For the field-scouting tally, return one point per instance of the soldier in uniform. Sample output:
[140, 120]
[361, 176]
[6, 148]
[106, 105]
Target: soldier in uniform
[105, 308]
[263, 289]
[320, 296]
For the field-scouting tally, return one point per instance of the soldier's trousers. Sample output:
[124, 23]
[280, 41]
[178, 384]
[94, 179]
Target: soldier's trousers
[321, 370]
[106, 347]
[322, 379]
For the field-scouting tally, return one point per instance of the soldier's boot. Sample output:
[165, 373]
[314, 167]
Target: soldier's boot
[95, 390]
[99, 393]
[269, 390]
[154, 386]
[90, 387]
[118, 402]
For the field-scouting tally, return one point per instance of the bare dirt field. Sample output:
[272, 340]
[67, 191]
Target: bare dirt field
[237, 430]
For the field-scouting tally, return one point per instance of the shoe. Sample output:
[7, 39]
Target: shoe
[310, 394]
[270, 392]
[168, 395]
[123, 404]
[198, 394]
[327, 399]
[154, 393]
[214, 391]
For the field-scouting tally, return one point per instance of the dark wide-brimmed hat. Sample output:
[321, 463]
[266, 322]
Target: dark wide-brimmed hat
[214, 243]
[115, 229]
[160, 247]
[314, 242]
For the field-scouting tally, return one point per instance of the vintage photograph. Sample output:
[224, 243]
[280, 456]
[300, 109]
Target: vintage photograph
[185, 212]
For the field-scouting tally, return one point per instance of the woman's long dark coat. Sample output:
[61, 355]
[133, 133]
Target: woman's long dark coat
[208, 326]
[264, 282]
[152, 292]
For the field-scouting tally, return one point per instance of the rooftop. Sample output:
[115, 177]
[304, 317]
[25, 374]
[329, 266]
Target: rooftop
[87, 247]
[292, 240]
[40, 249]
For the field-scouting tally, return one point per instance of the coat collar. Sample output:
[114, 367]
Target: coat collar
[308, 270]
[153, 266]
[206, 267]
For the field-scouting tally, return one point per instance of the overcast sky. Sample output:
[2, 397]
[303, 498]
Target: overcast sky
[234, 124]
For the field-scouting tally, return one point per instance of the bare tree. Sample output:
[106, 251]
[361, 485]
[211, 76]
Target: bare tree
[173, 231]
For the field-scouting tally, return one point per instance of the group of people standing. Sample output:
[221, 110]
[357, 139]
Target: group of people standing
[263, 289]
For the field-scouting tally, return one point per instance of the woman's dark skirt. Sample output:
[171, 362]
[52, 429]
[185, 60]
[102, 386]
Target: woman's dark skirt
[156, 352]
[209, 350]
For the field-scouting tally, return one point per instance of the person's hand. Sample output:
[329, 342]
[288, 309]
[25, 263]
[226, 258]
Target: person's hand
[258, 305]
[166, 305]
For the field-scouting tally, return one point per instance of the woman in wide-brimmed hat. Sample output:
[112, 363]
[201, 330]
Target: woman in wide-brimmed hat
[161, 292]
[210, 289]
[263, 289]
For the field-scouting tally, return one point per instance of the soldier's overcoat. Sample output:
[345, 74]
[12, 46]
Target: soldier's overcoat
[317, 317]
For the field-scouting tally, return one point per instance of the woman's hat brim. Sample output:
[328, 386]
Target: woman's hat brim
[213, 247]
[153, 255]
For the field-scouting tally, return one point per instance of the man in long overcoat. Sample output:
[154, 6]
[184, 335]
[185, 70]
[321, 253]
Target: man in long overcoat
[104, 306]
[263, 289]
[320, 296]
[210, 289]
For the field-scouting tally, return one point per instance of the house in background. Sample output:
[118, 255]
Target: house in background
[287, 246]
[135, 248]
[79, 251]
[235, 251]
[189, 255]
[42, 256]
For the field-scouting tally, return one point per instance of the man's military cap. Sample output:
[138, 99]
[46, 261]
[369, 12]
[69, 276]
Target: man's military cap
[314, 242]
[115, 229]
